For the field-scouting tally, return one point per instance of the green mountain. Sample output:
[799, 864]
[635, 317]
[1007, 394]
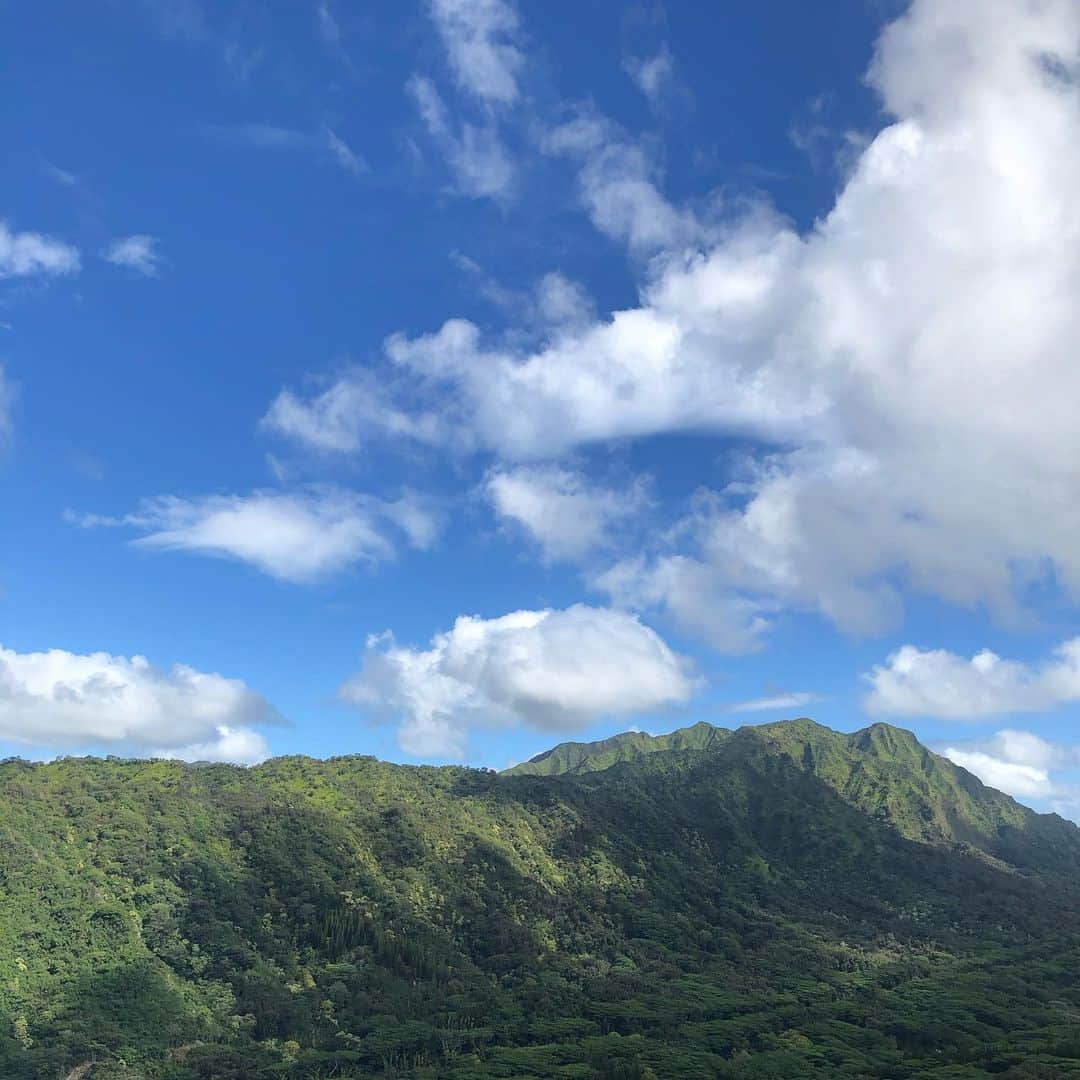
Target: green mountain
[780, 901]
[575, 757]
[883, 770]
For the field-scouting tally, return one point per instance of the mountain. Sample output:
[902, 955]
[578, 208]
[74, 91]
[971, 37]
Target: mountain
[778, 901]
[882, 770]
[576, 758]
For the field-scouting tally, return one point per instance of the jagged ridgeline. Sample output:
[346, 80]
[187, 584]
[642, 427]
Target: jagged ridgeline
[779, 901]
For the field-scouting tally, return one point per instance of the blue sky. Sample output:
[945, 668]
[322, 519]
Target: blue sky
[441, 380]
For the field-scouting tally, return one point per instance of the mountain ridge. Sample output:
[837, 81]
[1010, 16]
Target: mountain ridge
[937, 802]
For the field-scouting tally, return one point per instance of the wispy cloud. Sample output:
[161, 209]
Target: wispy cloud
[480, 38]
[327, 25]
[480, 41]
[325, 142]
[775, 704]
[653, 75]
[476, 154]
[63, 177]
[299, 537]
[138, 253]
[187, 22]
[346, 157]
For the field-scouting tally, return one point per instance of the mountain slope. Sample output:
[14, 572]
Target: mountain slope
[882, 770]
[769, 905]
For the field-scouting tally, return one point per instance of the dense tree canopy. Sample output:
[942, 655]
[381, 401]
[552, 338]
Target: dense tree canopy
[781, 902]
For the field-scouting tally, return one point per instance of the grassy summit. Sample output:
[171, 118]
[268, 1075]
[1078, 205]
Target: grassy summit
[778, 901]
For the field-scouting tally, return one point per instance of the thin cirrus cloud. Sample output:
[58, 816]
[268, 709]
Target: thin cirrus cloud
[60, 699]
[775, 703]
[33, 254]
[138, 252]
[326, 143]
[939, 683]
[327, 25]
[344, 154]
[300, 537]
[903, 366]
[191, 23]
[476, 155]
[551, 670]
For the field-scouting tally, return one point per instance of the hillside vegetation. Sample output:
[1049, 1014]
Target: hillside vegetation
[781, 901]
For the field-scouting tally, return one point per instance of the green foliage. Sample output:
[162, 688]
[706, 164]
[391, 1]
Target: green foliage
[781, 901]
[576, 758]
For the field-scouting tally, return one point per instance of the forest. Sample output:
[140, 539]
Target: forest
[777, 901]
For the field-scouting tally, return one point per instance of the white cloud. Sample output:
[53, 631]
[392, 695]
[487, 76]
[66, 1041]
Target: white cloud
[299, 537]
[914, 349]
[26, 254]
[479, 36]
[63, 699]
[564, 514]
[553, 670]
[905, 367]
[138, 253]
[363, 406]
[481, 165]
[780, 701]
[240, 746]
[934, 682]
[1025, 781]
[1021, 764]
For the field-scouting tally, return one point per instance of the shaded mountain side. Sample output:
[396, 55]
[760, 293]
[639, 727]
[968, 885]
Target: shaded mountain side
[744, 910]
[576, 758]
